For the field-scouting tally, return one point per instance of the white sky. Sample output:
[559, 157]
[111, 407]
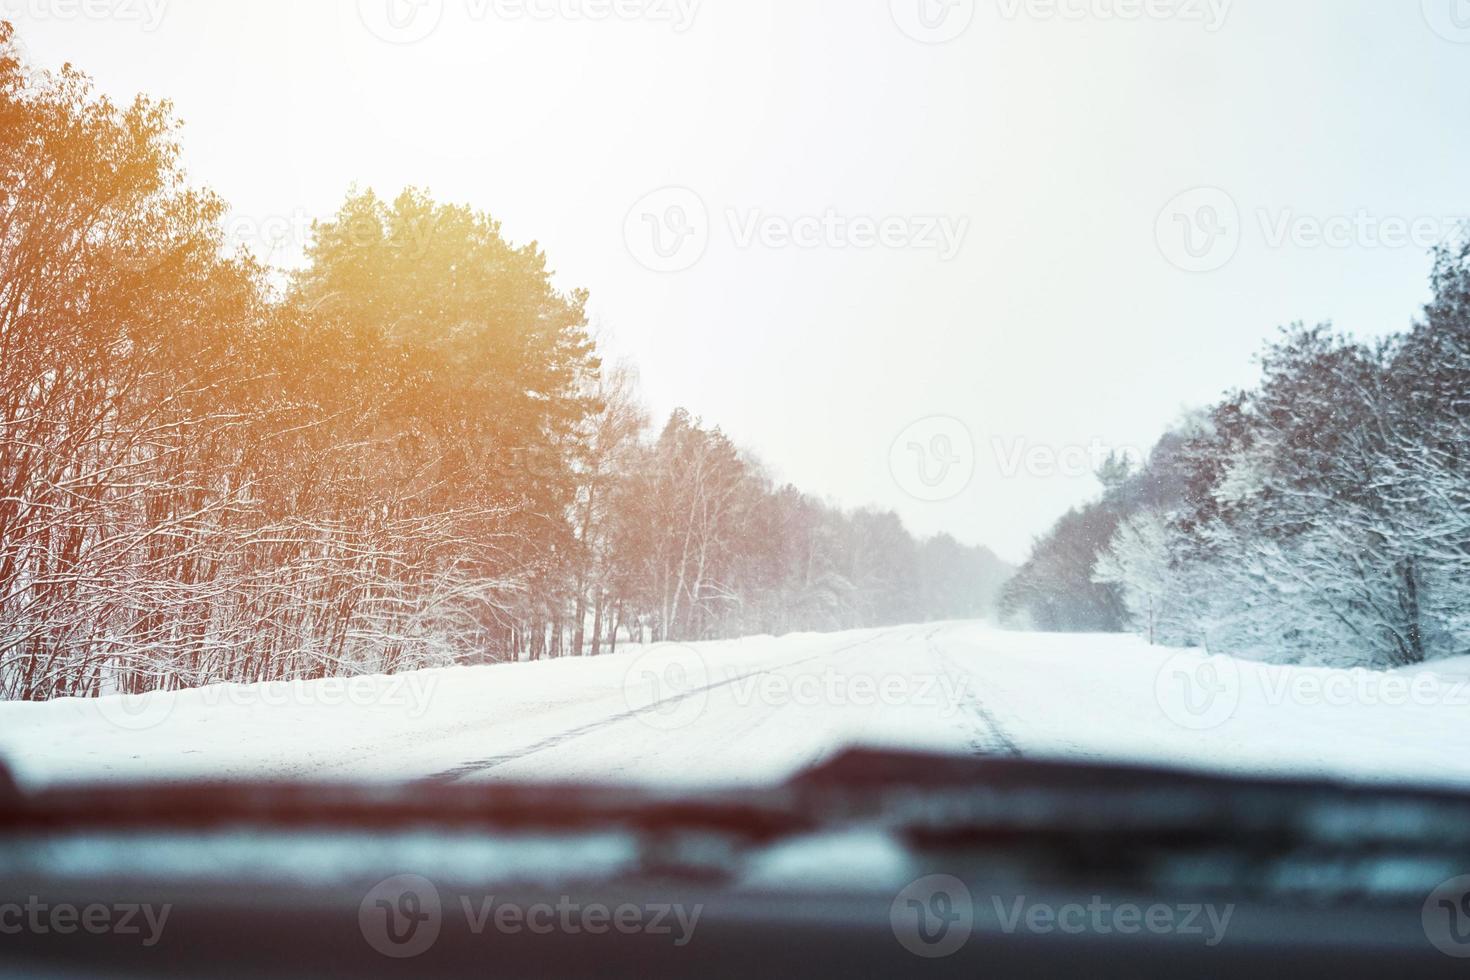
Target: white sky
[1057, 130]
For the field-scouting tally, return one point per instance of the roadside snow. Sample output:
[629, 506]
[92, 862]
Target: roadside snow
[759, 709]
[1116, 698]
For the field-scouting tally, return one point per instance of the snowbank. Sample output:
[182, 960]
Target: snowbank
[758, 709]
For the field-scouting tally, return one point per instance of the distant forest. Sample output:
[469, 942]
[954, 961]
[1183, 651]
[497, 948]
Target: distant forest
[410, 455]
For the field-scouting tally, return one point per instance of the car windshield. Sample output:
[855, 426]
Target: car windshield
[680, 396]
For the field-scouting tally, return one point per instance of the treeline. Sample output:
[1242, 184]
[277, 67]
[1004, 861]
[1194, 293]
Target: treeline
[411, 455]
[1321, 517]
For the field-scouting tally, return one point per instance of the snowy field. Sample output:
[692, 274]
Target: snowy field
[760, 709]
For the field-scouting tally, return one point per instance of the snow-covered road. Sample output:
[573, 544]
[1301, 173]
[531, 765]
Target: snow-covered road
[760, 709]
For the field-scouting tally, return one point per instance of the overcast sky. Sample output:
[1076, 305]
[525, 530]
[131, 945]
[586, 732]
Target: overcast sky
[881, 244]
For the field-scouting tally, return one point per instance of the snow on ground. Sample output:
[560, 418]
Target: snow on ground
[760, 709]
[1116, 698]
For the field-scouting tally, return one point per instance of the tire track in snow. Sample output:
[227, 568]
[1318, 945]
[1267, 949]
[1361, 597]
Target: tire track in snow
[988, 735]
[479, 766]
